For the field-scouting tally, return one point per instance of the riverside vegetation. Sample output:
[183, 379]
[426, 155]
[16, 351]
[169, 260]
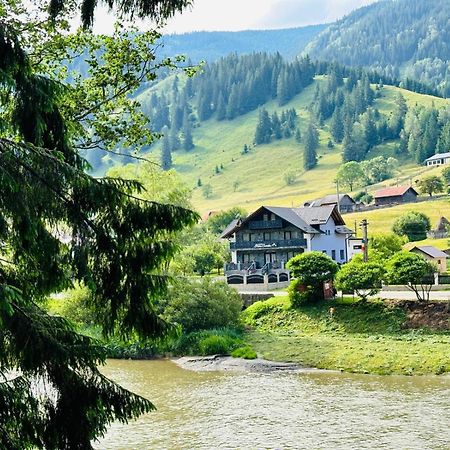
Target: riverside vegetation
[361, 336]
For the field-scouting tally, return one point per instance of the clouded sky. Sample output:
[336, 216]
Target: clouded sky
[233, 15]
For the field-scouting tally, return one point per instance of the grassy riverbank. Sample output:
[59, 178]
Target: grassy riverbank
[362, 338]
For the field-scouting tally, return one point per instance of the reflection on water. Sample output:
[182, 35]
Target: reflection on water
[214, 410]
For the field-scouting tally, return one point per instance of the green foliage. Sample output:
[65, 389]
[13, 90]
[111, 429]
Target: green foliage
[413, 271]
[206, 342]
[216, 345]
[244, 352]
[290, 177]
[368, 337]
[207, 190]
[76, 305]
[364, 278]
[384, 246]
[350, 174]
[218, 222]
[311, 270]
[311, 144]
[358, 40]
[378, 169]
[431, 185]
[299, 294]
[446, 174]
[61, 226]
[414, 225]
[201, 304]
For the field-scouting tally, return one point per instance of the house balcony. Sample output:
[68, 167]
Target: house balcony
[265, 224]
[268, 245]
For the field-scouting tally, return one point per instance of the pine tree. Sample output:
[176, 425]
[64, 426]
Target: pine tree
[52, 394]
[263, 129]
[298, 135]
[311, 144]
[188, 142]
[337, 126]
[166, 154]
[276, 126]
[443, 144]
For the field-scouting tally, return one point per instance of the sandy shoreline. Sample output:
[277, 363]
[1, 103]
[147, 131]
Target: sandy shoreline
[228, 363]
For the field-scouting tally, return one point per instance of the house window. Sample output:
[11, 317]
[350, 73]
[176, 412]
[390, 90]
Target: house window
[289, 255]
[287, 235]
[273, 217]
[333, 255]
[267, 236]
[265, 217]
[342, 254]
[246, 258]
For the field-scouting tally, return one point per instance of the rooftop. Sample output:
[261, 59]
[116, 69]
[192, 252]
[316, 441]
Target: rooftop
[394, 191]
[438, 156]
[430, 251]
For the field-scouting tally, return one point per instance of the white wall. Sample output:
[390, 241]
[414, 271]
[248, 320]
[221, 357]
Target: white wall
[328, 242]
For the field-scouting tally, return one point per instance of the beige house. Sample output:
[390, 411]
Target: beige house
[434, 255]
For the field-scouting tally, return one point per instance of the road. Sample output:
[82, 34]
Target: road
[409, 295]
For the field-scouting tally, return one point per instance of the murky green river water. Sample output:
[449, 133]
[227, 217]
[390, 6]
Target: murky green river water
[216, 410]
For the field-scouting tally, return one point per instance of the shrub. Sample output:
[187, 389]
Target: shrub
[414, 225]
[216, 345]
[76, 305]
[364, 278]
[244, 353]
[208, 342]
[312, 270]
[201, 304]
[298, 297]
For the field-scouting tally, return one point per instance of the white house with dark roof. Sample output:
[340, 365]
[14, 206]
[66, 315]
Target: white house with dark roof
[438, 160]
[263, 242]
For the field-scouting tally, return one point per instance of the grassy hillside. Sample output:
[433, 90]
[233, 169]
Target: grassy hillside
[364, 338]
[257, 178]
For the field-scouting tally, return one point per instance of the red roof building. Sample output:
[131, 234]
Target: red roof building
[398, 194]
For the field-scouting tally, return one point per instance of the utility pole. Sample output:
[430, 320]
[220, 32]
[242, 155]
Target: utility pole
[363, 226]
[338, 199]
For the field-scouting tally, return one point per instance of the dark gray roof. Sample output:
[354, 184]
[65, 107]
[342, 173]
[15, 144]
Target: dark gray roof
[302, 218]
[291, 215]
[315, 215]
[344, 230]
[431, 251]
[331, 199]
[231, 226]
[438, 156]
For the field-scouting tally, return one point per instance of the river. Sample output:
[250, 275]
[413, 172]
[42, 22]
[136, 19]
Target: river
[307, 410]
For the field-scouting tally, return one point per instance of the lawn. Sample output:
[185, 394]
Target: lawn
[361, 338]
[381, 220]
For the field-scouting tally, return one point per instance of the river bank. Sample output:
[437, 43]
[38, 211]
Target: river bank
[377, 337]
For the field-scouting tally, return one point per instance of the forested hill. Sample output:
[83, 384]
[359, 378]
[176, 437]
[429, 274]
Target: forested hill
[402, 38]
[210, 46]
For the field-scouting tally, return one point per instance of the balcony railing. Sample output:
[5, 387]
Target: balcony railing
[268, 245]
[265, 224]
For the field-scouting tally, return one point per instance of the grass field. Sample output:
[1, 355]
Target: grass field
[258, 177]
[382, 220]
[362, 338]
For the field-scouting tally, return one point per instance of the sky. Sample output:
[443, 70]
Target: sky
[234, 15]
